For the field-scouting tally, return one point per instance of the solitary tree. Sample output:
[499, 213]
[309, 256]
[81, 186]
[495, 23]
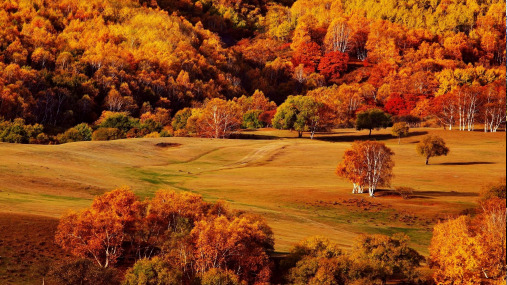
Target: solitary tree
[400, 129]
[372, 119]
[369, 164]
[432, 146]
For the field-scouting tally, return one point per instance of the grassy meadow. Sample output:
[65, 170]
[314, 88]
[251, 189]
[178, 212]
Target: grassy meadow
[290, 181]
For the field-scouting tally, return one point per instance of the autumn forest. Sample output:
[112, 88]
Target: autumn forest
[241, 129]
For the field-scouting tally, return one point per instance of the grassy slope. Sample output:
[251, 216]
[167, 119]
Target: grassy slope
[290, 181]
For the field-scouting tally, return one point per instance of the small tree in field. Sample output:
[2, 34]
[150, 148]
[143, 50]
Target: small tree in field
[369, 164]
[399, 130]
[432, 146]
[372, 119]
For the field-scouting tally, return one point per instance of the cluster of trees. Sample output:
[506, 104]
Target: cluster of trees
[471, 250]
[19, 132]
[218, 118]
[175, 237]
[178, 238]
[65, 63]
[373, 259]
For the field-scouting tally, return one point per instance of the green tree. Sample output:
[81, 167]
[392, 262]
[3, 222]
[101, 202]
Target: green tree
[372, 119]
[180, 119]
[152, 272]
[107, 134]
[118, 120]
[399, 130]
[81, 132]
[432, 146]
[387, 256]
[220, 277]
[300, 113]
[18, 132]
[251, 119]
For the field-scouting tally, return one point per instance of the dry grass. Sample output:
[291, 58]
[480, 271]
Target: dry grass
[288, 180]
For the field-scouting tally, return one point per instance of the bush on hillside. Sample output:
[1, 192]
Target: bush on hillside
[151, 272]
[107, 134]
[81, 132]
[118, 120]
[18, 132]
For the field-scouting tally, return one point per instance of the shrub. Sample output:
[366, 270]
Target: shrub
[137, 133]
[412, 121]
[82, 272]
[107, 134]
[152, 135]
[405, 192]
[220, 277]
[496, 190]
[167, 132]
[152, 272]
[118, 120]
[150, 125]
[41, 138]
[81, 132]
[18, 132]
[181, 133]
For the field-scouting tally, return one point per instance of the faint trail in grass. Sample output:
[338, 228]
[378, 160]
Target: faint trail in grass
[258, 157]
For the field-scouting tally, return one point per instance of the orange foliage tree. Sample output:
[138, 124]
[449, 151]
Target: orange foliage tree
[367, 164]
[309, 55]
[237, 244]
[469, 250]
[99, 232]
[219, 119]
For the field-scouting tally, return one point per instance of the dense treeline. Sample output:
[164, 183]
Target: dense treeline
[63, 63]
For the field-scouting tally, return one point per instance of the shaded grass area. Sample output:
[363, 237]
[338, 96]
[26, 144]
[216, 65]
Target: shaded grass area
[27, 248]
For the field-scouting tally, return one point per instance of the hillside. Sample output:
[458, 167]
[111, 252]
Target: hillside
[289, 181]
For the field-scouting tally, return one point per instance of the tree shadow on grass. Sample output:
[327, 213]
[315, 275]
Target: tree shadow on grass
[425, 194]
[242, 136]
[439, 194]
[352, 138]
[467, 163]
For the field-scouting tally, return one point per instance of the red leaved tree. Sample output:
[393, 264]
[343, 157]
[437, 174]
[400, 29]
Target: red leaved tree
[333, 64]
[309, 55]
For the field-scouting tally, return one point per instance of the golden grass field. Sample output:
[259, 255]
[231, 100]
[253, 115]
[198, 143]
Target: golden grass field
[290, 181]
